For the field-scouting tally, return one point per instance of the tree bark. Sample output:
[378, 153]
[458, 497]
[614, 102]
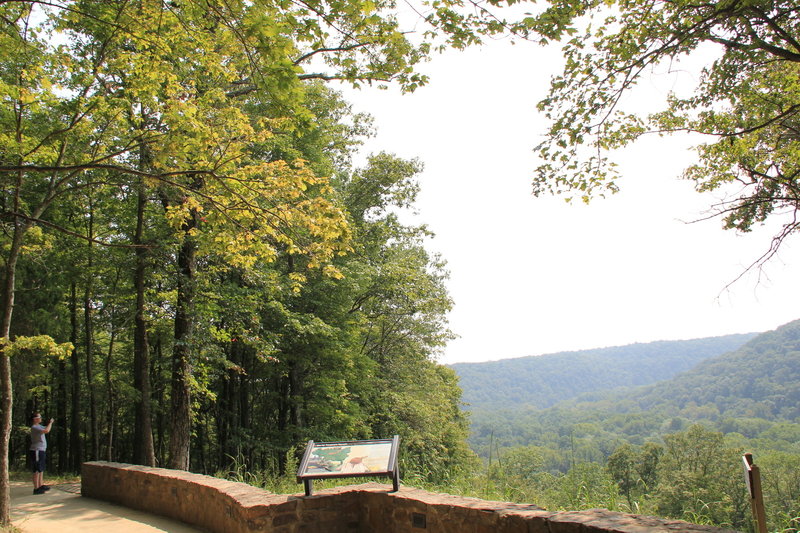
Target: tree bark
[180, 415]
[282, 386]
[88, 329]
[224, 409]
[111, 409]
[62, 402]
[244, 401]
[296, 395]
[160, 394]
[143, 449]
[6, 389]
[75, 453]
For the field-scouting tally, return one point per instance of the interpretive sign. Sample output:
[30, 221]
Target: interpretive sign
[354, 458]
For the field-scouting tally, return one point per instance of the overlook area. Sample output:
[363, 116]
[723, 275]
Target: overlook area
[222, 506]
[231, 227]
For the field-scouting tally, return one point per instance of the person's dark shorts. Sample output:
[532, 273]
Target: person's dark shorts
[37, 460]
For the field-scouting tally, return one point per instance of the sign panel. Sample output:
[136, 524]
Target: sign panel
[324, 460]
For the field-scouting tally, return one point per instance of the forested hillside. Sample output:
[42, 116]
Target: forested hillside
[758, 380]
[746, 391]
[541, 381]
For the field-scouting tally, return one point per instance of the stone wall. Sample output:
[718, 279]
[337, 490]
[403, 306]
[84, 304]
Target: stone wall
[222, 506]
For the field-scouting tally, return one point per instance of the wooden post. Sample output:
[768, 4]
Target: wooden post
[752, 478]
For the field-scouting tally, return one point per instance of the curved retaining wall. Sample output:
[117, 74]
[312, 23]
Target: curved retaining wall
[222, 506]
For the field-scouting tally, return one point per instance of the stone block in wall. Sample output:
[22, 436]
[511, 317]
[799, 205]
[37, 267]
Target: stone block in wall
[376, 511]
[522, 522]
[605, 521]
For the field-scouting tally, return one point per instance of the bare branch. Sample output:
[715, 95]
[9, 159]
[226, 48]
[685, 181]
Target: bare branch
[326, 50]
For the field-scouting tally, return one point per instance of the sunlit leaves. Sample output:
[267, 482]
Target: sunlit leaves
[41, 345]
[32, 356]
[167, 91]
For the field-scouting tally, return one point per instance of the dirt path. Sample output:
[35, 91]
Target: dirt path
[63, 510]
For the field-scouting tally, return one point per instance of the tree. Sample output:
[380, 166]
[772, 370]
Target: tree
[781, 487]
[401, 304]
[699, 478]
[199, 162]
[635, 469]
[621, 466]
[746, 103]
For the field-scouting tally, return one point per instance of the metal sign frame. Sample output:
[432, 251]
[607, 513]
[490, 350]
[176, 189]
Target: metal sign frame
[352, 458]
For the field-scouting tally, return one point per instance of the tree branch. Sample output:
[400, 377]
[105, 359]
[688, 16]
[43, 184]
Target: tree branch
[9, 214]
[326, 50]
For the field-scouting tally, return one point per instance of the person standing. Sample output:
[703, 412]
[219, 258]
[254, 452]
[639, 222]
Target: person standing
[37, 454]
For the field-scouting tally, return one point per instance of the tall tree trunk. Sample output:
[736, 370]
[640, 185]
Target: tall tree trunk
[6, 389]
[111, 393]
[244, 401]
[8, 295]
[180, 420]
[76, 453]
[282, 386]
[200, 442]
[62, 404]
[143, 449]
[161, 395]
[296, 399]
[110, 412]
[88, 331]
[224, 415]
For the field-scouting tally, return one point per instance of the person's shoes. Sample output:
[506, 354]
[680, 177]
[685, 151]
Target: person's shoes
[44, 487]
[38, 491]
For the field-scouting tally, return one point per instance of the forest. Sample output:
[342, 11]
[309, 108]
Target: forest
[201, 271]
[541, 381]
[195, 273]
[199, 317]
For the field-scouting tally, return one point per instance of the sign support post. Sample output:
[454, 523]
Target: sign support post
[752, 478]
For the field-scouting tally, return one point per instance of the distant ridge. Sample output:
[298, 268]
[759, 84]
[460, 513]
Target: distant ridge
[752, 392]
[541, 381]
[759, 379]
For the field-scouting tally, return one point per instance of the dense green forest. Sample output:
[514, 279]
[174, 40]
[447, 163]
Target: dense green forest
[195, 274]
[278, 352]
[746, 391]
[672, 447]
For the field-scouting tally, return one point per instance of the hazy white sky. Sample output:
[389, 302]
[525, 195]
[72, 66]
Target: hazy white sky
[536, 275]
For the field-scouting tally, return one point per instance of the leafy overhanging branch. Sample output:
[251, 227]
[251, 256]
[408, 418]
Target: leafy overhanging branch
[747, 101]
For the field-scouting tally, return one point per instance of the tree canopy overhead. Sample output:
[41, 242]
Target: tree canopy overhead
[746, 102]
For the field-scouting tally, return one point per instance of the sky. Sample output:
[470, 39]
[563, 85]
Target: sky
[532, 276]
